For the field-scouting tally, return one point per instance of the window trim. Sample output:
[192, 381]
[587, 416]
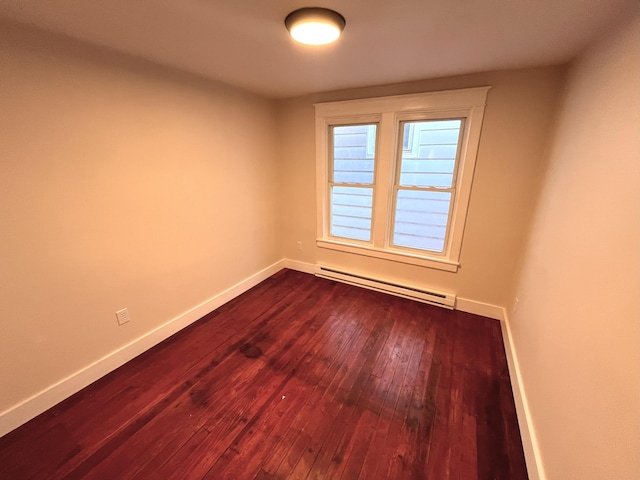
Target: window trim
[388, 112]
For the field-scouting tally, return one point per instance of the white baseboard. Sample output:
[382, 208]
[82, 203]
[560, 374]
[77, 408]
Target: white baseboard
[52, 395]
[527, 432]
[300, 266]
[479, 308]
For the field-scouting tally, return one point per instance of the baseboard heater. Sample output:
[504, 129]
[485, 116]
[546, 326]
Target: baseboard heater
[446, 300]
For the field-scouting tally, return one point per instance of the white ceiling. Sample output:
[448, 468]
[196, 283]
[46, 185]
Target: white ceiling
[244, 42]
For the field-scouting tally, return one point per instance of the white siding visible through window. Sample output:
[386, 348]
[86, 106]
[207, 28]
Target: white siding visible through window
[353, 175]
[424, 190]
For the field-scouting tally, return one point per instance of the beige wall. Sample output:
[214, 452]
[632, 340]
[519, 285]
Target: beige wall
[509, 166]
[577, 328]
[121, 185]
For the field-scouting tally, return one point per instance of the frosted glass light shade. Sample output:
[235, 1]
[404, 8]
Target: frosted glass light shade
[315, 26]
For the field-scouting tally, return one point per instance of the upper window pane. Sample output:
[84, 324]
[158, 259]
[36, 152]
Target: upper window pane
[354, 153]
[430, 159]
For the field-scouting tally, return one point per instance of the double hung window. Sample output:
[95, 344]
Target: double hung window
[394, 174]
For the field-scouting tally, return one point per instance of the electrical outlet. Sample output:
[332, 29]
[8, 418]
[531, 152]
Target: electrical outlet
[122, 316]
[299, 245]
[515, 304]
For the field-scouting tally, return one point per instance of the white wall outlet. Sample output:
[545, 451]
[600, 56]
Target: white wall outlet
[122, 316]
[515, 304]
[299, 245]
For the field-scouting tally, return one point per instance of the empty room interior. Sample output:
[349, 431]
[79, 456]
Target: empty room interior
[226, 254]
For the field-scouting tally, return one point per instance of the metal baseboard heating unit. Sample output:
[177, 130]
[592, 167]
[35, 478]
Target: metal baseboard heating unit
[446, 300]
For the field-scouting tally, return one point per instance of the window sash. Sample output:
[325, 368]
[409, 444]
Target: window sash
[348, 217]
[351, 217]
[447, 224]
[409, 155]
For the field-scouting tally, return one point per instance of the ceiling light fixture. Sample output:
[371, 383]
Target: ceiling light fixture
[315, 26]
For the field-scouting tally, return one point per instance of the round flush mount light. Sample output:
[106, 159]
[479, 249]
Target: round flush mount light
[315, 26]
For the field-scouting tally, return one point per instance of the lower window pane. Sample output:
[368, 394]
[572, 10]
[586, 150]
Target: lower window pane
[421, 219]
[351, 212]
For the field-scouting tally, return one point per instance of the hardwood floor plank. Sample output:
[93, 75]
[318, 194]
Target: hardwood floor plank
[262, 475]
[234, 414]
[331, 403]
[400, 459]
[228, 421]
[234, 461]
[302, 389]
[295, 441]
[439, 455]
[425, 406]
[299, 377]
[387, 395]
[248, 452]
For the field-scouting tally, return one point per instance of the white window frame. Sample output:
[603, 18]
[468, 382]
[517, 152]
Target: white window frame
[388, 112]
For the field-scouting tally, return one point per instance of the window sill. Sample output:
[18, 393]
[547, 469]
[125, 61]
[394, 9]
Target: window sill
[402, 257]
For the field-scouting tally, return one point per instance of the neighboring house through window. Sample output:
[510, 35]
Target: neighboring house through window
[394, 174]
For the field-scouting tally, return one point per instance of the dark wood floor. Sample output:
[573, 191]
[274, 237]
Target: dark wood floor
[298, 378]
